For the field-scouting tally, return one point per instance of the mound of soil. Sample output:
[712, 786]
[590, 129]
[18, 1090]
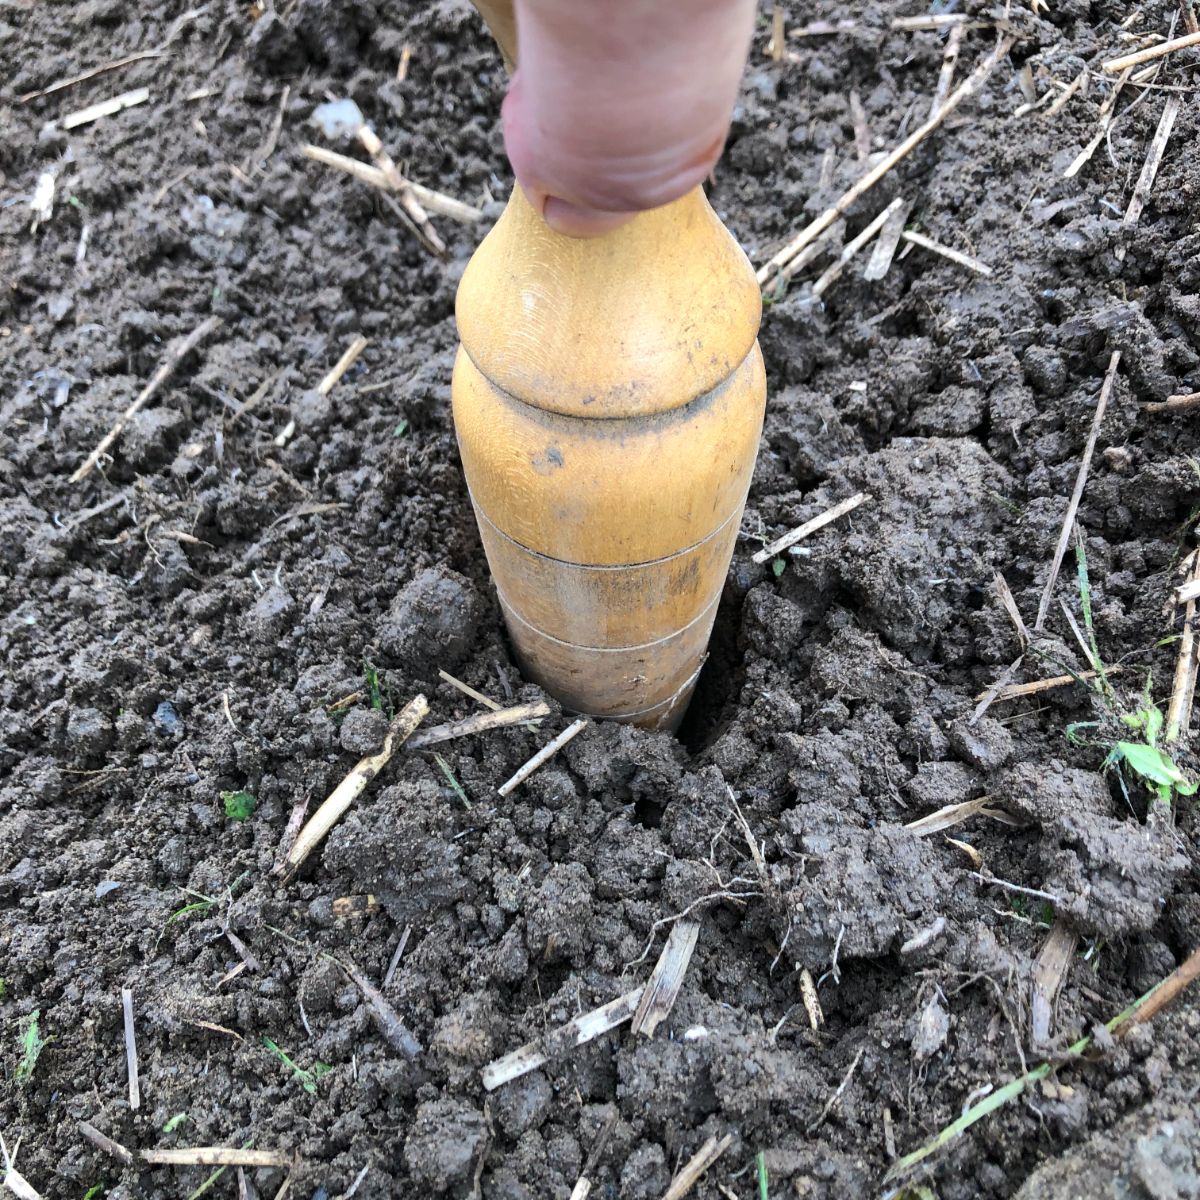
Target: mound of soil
[190, 618]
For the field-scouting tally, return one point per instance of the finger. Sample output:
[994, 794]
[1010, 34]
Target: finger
[621, 105]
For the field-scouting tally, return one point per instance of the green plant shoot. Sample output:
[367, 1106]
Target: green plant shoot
[239, 805]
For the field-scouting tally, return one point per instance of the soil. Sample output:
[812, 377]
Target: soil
[178, 625]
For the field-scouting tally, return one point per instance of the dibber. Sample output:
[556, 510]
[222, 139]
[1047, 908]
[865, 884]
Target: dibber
[608, 398]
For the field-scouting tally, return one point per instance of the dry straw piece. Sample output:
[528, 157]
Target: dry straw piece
[479, 723]
[164, 372]
[809, 527]
[969, 87]
[346, 792]
[1116, 65]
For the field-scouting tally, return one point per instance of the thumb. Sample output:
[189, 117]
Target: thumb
[621, 105]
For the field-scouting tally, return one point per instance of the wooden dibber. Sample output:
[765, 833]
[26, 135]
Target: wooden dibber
[608, 398]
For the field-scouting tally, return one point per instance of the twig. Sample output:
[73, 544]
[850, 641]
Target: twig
[386, 1018]
[1104, 120]
[1065, 95]
[1081, 479]
[233, 1033]
[1139, 1011]
[1116, 65]
[131, 1061]
[969, 87]
[436, 202]
[1179, 711]
[105, 108]
[1004, 592]
[542, 756]
[1019, 889]
[290, 833]
[346, 792]
[662, 988]
[1165, 993]
[778, 43]
[217, 1156]
[929, 21]
[1049, 972]
[397, 955]
[411, 205]
[949, 62]
[850, 249]
[468, 690]
[809, 527]
[84, 76]
[343, 364]
[884, 250]
[1188, 12]
[862, 131]
[101, 1142]
[1154, 157]
[956, 814]
[268, 147]
[560, 1041]
[13, 1179]
[478, 723]
[955, 256]
[1180, 403]
[695, 1167]
[841, 1089]
[810, 999]
[349, 357]
[1014, 691]
[168, 368]
[583, 1185]
[1189, 590]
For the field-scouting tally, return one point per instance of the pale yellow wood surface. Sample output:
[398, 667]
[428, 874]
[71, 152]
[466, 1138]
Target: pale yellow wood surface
[611, 492]
[608, 400]
[641, 320]
[503, 23]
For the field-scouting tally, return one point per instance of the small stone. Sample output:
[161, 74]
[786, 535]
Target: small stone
[986, 745]
[431, 622]
[89, 732]
[443, 1143]
[1045, 370]
[933, 1027]
[271, 615]
[523, 1104]
[363, 731]
[166, 718]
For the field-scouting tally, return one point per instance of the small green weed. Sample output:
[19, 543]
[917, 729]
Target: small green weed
[32, 1045]
[778, 566]
[373, 690]
[401, 428]
[186, 911]
[760, 1163]
[3, 987]
[239, 805]
[97, 1189]
[175, 1122]
[308, 1079]
[1142, 757]
[459, 790]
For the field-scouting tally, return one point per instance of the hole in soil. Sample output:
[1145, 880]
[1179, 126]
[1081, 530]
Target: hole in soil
[647, 812]
[719, 688]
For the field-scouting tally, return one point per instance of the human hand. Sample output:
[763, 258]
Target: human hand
[621, 105]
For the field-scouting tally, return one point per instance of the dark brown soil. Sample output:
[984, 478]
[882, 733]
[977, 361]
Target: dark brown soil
[177, 625]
